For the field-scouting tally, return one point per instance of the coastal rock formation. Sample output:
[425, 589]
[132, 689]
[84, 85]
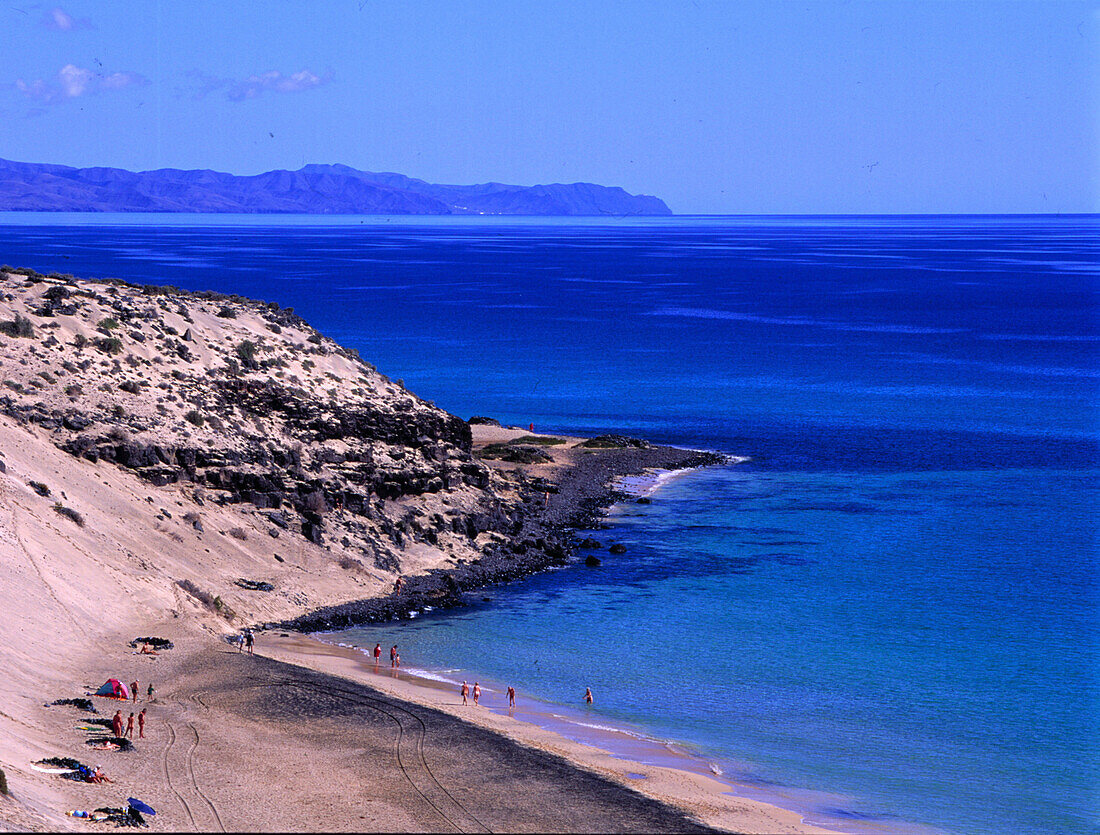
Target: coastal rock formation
[242, 404]
[253, 432]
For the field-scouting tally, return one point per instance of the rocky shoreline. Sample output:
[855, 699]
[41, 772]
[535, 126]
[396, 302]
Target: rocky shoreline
[292, 483]
[577, 500]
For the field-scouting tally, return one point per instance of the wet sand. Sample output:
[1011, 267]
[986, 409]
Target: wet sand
[680, 787]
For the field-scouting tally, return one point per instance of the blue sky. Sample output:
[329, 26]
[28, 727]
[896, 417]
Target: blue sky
[717, 106]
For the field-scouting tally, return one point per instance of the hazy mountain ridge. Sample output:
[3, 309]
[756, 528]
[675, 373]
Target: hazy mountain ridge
[313, 189]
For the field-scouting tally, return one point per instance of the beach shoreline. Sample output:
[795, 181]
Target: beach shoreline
[572, 490]
[682, 783]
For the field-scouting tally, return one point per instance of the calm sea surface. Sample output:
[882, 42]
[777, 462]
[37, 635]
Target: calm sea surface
[894, 601]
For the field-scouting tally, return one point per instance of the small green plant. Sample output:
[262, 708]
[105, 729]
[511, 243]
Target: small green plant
[74, 390]
[80, 341]
[246, 352]
[108, 324]
[109, 345]
[195, 417]
[4, 783]
[227, 313]
[39, 488]
[238, 533]
[20, 326]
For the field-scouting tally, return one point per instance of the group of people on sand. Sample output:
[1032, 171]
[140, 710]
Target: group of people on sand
[246, 640]
[465, 691]
[116, 725]
[395, 656]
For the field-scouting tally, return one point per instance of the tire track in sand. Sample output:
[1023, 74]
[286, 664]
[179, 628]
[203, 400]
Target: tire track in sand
[177, 763]
[197, 699]
[168, 774]
[413, 763]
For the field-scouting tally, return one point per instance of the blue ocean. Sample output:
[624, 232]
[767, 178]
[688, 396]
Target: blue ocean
[891, 606]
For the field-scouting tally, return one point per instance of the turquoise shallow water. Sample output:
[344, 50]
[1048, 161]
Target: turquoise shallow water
[820, 631]
[894, 601]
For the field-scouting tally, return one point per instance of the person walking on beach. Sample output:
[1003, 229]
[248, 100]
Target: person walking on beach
[116, 724]
[149, 692]
[393, 655]
[477, 693]
[377, 653]
[249, 641]
[588, 695]
[511, 696]
[133, 690]
[465, 692]
[240, 642]
[130, 726]
[141, 724]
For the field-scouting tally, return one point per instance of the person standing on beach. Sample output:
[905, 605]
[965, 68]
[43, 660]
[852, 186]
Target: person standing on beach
[477, 693]
[588, 695]
[393, 655]
[249, 641]
[133, 690]
[465, 692]
[511, 696]
[141, 724]
[116, 723]
[130, 726]
[240, 642]
[149, 692]
[377, 653]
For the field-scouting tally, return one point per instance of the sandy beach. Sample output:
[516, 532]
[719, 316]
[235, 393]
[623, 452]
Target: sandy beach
[305, 736]
[127, 512]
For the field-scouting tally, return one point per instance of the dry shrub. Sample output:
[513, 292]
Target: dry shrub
[69, 513]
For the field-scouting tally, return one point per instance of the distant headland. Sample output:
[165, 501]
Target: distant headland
[313, 189]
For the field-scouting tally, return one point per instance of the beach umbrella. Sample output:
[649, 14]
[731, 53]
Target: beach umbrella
[141, 807]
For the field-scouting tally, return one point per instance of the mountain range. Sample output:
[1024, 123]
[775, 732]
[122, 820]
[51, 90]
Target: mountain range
[313, 189]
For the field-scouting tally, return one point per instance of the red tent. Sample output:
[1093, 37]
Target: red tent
[114, 688]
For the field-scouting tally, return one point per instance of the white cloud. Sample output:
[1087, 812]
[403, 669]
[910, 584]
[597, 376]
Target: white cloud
[61, 21]
[73, 81]
[273, 81]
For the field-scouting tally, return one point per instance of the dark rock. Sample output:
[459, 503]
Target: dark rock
[644, 500]
[255, 585]
[592, 561]
[615, 442]
[617, 548]
[311, 530]
[482, 420]
[588, 542]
